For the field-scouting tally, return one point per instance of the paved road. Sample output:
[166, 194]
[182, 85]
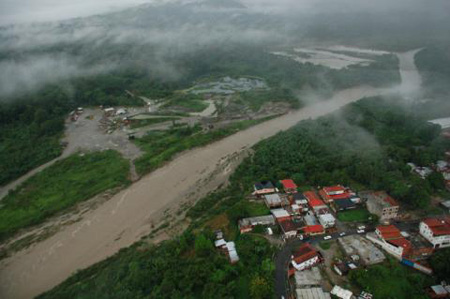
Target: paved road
[283, 258]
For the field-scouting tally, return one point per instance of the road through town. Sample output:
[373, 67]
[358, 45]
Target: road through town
[128, 216]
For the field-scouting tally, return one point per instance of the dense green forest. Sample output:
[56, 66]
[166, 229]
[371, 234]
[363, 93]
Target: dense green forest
[440, 262]
[30, 126]
[353, 146]
[61, 185]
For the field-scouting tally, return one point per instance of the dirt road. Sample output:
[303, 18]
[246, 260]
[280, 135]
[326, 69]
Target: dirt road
[127, 216]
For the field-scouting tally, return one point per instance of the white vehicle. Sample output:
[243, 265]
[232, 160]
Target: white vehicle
[342, 234]
[327, 237]
[361, 227]
[300, 237]
[360, 231]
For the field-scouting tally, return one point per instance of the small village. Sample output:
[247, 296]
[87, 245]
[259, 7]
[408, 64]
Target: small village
[307, 223]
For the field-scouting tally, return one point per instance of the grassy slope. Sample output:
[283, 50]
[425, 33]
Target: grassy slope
[359, 215]
[60, 186]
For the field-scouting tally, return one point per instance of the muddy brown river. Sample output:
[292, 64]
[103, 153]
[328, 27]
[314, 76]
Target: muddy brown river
[127, 216]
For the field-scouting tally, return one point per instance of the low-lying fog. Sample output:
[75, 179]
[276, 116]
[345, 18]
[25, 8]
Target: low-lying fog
[43, 41]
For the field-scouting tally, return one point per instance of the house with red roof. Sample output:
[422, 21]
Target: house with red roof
[392, 241]
[313, 230]
[289, 186]
[305, 257]
[436, 231]
[314, 201]
[289, 227]
[329, 194]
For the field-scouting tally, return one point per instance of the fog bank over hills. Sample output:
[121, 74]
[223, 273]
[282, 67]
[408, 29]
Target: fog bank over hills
[156, 32]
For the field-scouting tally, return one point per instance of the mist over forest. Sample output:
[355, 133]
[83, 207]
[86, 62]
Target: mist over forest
[158, 37]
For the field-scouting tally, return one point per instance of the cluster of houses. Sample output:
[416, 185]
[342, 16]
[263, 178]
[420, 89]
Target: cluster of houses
[296, 213]
[312, 213]
[229, 248]
[308, 279]
[412, 249]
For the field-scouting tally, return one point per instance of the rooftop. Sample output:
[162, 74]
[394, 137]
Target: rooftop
[327, 217]
[298, 196]
[344, 203]
[401, 242]
[264, 185]
[311, 229]
[438, 226]
[280, 213]
[288, 184]
[289, 225]
[333, 189]
[304, 252]
[389, 232]
[385, 199]
[341, 293]
[310, 219]
[312, 293]
[259, 220]
[309, 277]
[313, 199]
[273, 199]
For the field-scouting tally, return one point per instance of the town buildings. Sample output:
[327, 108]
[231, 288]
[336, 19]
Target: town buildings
[247, 224]
[264, 187]
[272, 200]
[289, 186]
[381, 204]
[436, 231]
[308, 284]
[305, 257]
[393, 241]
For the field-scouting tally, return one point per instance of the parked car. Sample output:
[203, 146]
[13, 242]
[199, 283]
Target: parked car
[342, 234]
[360, 231]
[361, 227]
[327, 237]
[300, 237]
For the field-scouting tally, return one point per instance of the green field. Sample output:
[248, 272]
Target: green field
[161, 146]
[60, 186]
[358, 215]
[325, 245]
[138, 123]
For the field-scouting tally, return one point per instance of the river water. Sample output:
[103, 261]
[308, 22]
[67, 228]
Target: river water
[127, 216]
